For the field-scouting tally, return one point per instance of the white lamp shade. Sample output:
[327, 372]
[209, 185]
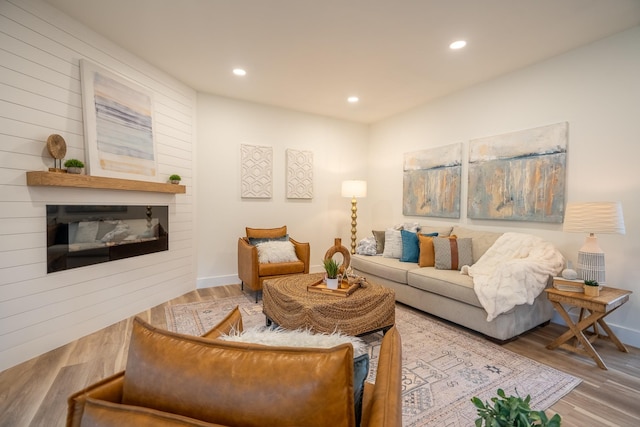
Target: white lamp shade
[594, 217]
[354, 188]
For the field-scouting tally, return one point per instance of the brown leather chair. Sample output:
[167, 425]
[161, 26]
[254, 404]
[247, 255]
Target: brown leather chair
[179, 380]
[252, 273]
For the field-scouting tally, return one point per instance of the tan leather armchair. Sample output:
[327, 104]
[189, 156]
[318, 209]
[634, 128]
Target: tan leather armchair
[252, 273]
[179, 380]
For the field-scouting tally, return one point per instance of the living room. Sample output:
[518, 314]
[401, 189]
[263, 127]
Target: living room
[594, 88]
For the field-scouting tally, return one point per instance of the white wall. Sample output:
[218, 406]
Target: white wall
[40, 50]
[223, 125]
[597, 90]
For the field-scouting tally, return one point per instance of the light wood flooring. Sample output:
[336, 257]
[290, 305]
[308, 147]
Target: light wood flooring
[34, 393]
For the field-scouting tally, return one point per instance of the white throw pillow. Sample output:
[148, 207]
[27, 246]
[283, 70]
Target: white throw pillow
[392, 243]
[276, 251]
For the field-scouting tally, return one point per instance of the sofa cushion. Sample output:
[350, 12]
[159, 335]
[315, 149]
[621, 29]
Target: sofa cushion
[387, 268]
[452, 253]
[410, 246]
[367, 246]
[482, 240]
[257, 240]
[448, 283]
[265, 233]
[304, 338]
[238, 383]
[99, 413]
[379, 236]
[280, 268]
[430, 229]
[392, 243]
[427, 253]
[276, 251]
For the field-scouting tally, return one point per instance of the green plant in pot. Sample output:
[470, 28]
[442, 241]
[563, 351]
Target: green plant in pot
[591, 288]
[332, 268]
[74, 165]
[175, 179]
[511, 411]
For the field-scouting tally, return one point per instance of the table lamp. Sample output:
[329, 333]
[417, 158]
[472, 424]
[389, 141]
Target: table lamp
[592, 218]
[354, 189]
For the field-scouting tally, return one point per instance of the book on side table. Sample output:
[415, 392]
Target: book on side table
[568, 285]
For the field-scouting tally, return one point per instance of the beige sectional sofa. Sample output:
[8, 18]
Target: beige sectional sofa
[449, 294]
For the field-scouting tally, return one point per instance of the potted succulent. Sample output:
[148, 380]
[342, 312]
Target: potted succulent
[511, 411]
[74, 166]
[175, 179]
[332, 267]
[591, 288]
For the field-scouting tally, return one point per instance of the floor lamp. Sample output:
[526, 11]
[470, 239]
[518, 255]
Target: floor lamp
[593, 217]
[354, 189]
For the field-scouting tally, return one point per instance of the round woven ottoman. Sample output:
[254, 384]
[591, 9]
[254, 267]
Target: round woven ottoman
[287, 303]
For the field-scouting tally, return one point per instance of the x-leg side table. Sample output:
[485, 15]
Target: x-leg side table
[597, 308]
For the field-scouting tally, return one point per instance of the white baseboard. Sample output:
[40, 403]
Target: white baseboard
[213, 281]
[627, 336]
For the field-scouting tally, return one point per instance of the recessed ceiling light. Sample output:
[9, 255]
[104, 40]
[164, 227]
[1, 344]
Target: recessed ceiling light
[239, 72]
[458, 44]
[353, 99]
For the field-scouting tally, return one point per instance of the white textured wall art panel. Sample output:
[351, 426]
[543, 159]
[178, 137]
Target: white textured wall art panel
[299, 174]
[257, 171]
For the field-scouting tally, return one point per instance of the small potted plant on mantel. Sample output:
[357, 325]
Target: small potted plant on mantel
[591, 288]
[74, 166]
[175, 179]
[331, 267]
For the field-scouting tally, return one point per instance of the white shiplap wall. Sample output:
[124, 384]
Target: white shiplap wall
[40, 94]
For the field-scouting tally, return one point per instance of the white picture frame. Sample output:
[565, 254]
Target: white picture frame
[118, 125]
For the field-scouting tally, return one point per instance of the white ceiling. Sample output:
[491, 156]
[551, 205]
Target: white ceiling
[309, 55]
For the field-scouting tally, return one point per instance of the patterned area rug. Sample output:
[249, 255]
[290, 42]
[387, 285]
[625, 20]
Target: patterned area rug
[443, 367]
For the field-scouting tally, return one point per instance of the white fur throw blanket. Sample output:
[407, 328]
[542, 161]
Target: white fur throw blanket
[513, 271]
[295, 338]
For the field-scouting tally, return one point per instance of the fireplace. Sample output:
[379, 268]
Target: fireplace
[80, 235]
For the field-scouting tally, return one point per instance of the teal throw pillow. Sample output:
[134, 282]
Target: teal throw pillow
[411, 245]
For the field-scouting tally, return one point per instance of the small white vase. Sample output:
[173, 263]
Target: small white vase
[332, 283]
[75, 170]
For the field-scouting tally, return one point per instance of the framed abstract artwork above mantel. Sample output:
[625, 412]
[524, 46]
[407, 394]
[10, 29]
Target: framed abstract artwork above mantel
[118, 125]
[519, 176]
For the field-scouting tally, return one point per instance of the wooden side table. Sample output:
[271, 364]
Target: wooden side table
[609, 300]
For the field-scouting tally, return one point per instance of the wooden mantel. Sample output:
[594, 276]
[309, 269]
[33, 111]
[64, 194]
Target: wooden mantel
[57, 179]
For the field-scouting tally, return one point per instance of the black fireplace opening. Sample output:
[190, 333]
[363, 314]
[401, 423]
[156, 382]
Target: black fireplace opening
[80, 235]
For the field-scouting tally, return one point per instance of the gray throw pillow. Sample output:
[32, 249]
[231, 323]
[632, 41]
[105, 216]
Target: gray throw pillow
[452, 253]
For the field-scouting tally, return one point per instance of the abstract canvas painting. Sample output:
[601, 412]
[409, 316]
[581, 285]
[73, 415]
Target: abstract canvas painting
[432, 181]
[519, 176]
[299, 174]
[256, 165]
[118, 125]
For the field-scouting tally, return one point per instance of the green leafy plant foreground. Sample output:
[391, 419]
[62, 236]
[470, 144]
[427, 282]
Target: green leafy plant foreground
[511, 411]
[331, 266]
[591, 283]
[175, 177]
